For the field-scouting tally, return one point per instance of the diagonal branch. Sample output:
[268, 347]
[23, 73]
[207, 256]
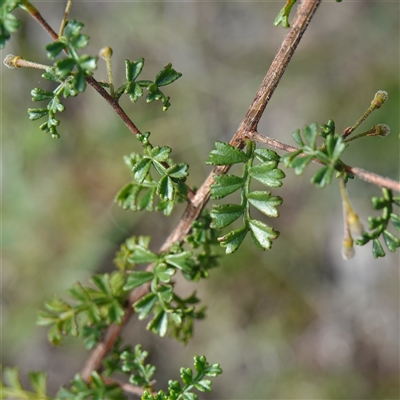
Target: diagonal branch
[303, 17]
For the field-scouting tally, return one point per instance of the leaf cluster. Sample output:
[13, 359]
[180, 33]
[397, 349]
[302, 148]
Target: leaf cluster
[15, 390]
[93, 309]
[328, 153]
[142, 192]
[70, 72]
[8, 22]
[266, 172]
[191, 380]
[134, 87]
[95, 389]
[134, 361]
[170, 312]
[379, 225]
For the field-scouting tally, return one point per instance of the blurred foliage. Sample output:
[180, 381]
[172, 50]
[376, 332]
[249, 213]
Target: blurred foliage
[300, 323]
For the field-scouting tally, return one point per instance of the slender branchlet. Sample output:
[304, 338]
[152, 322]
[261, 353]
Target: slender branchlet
[65, 17]
[106, 54]
[12, 62]
[380, 98]
[377, 130]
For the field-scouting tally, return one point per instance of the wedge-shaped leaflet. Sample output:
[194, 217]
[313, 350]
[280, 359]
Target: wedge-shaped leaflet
[233, 239]
[138, 278]
[267, 155]
[225, 154]
[264, 202]
[133, 69]
[300, 163]
[144, 306]
[224, 214]
[224, 185]
[167, 75]
[267, 173]
[323, 177]
[262, 234]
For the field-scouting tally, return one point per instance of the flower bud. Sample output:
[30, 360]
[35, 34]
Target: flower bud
[106, 53]
[380, 98]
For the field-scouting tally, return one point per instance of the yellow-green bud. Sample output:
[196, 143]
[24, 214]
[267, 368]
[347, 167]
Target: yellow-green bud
[380, 98]
[106, 53]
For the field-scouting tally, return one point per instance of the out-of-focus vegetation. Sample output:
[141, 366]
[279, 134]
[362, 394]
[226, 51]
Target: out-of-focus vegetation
[296, 322]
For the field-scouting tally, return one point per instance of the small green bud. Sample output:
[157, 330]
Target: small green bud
[106, 53]
[380, 98]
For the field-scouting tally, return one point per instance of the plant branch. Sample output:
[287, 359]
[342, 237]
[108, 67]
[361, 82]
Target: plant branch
[303, 17]
[89, 79]
[367, 176]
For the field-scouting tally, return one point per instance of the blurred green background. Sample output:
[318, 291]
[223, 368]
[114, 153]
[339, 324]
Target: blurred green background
[296, 322]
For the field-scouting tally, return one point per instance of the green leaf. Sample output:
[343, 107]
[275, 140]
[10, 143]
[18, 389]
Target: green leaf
[178, 171]
[225, 154]
[377, 249]
[138, 278]
[224, 214]
[233, 240]
[264, 202]
[72, 28]
[87, 63]
[180, 260]
[267, 173]
[163, 273]
[165, 188]
[133, 69]
[166, 76]
[392, 242]
[203, 386]
[323, 177]
[134, 91]
[300, 163]
[41, 95]
[311, 134]
[37, 113]
[141, 169]
[64, 67]
[144, 306]
[160, 154]
[297, 137]
[267, 155]
[115, 312]
[159, 324]
[79, 81]
[224, 185]
[142, 255]
[283, 15]
[262, 234]
[395, 219]
[79, 41]
[54, 49]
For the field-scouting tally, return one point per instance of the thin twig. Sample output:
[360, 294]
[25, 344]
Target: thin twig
[304, 14]
[126, 387]
[367, 176]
